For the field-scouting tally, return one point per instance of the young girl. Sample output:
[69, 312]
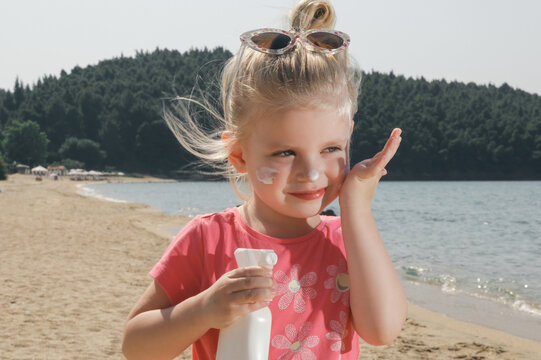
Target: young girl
[288, 100]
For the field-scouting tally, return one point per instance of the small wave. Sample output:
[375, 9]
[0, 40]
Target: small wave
[492, 290]
[448, 283]
[526, 307]
[518, 304]
[521, 222]
[435, 219]
[414, 271]
[86, 191]
[438, 219]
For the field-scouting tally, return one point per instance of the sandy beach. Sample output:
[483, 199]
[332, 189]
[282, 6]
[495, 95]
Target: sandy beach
[71, 267]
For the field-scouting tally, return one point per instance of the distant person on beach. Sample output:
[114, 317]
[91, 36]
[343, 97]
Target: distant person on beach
[288, 100]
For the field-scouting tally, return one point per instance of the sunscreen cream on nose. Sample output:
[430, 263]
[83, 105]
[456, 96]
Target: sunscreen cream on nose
[313, 175]
[265, 174]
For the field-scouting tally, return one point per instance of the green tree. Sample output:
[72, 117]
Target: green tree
[155, 144]
[18, 93]
[25, 143]
[451, 130]
[3, 169]
[83, 150]
[70, 164]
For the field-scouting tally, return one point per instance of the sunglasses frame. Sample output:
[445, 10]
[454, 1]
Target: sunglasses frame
[246, 38]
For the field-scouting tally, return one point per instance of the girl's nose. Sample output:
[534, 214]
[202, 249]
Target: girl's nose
[313, 174]
[307, 171]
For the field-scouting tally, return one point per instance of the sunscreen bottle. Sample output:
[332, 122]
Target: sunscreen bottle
[249, 337]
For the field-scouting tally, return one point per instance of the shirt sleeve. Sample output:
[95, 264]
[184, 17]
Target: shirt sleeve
[180, 269]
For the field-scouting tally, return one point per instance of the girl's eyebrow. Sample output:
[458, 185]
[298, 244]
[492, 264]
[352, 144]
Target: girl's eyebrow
[278, 145]
[337, 141]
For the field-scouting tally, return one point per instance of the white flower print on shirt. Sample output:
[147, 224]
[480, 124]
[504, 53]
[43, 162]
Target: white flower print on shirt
[339, 334]
[339, 282]
[291, 288]
[297, 344]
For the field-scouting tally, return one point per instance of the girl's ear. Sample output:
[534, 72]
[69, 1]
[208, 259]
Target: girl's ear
[235, 157]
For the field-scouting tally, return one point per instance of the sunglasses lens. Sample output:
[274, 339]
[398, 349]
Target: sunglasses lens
[325, 40]
[271, 40]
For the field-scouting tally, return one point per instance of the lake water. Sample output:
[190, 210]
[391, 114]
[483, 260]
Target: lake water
[456, 245]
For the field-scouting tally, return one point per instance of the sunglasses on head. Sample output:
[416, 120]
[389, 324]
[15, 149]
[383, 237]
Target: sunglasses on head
[277, 42]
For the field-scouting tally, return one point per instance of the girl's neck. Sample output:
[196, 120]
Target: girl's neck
[265, 220]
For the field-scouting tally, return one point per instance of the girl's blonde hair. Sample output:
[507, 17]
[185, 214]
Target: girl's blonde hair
[255, 83]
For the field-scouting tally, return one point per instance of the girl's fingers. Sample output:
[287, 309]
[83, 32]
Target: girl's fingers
[249, 271]
[256, 306]
[243, 309]
[365, 169]
[390, 148]
[251, 296]
[251, 282]
[249, 278]
[366, 164]
[375, 166]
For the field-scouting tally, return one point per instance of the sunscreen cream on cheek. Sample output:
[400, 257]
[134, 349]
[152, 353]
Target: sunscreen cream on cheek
[266, 175]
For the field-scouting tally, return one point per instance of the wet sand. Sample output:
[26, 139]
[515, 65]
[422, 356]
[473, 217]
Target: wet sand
[71, 267]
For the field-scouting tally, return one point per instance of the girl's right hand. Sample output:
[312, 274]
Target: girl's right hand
[235, 294]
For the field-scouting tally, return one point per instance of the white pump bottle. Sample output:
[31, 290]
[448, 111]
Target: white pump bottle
[249, 337]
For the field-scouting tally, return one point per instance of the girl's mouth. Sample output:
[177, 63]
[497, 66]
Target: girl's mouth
[309, 195]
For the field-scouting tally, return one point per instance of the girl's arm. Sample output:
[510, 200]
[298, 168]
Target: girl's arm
[377, 299]
[157, 330]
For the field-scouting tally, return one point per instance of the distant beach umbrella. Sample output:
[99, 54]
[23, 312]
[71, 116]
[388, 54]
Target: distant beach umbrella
[39, 170]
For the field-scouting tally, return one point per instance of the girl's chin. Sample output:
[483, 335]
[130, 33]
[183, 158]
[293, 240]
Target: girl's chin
[306, 211]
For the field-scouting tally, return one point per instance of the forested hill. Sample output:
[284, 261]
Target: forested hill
[109, 116]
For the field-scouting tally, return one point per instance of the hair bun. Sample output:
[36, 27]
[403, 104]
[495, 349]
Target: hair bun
[312, 14]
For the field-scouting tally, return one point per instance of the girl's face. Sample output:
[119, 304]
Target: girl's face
[296, 160]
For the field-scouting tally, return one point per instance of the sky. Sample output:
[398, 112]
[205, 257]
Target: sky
[480, 41]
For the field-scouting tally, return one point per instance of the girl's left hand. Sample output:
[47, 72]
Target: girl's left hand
[359, 187]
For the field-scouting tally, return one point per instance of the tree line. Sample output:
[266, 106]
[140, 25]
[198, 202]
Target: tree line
[109, 116]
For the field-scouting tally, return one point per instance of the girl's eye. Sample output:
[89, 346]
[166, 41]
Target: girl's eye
[284, 153]
[331, 149]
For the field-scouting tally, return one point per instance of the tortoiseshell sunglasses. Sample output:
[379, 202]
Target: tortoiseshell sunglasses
[277, 41]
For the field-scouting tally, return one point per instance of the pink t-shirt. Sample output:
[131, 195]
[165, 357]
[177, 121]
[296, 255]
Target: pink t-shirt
[311, 317]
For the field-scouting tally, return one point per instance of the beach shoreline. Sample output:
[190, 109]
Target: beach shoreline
[514, 315]
[71, 267]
